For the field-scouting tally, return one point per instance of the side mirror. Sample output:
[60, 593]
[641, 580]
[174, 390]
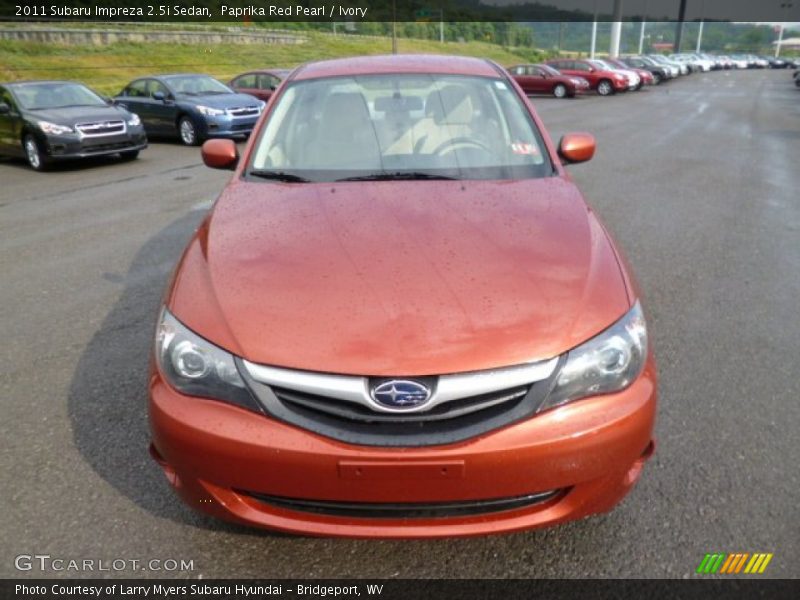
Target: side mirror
[160, 96]
[220, 154]
[576, 147]
[273, 87]
[4, 108]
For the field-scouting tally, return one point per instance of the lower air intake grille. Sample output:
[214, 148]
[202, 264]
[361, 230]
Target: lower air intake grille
[426, 510]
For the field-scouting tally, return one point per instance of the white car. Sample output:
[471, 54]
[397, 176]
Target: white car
[693, 61]
[739, 61]
[676, 68]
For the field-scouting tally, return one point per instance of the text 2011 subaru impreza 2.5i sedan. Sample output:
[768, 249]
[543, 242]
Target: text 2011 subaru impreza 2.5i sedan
[401, 319]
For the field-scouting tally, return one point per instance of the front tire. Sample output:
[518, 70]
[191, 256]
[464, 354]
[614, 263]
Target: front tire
[605, 88]
[36, 157]
[187, 131]
[560, 91]
[657, 79]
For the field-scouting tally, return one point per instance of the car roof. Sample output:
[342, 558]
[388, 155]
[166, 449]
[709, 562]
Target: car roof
[398, 63]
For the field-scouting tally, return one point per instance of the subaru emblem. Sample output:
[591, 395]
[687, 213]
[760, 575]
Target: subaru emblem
[401, 394]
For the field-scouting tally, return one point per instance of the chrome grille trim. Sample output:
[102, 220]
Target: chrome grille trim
[350, 388]
[244, 111]
[101, 128]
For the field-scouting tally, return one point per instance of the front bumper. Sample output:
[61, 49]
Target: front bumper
[243, 467]
[72, 146]
[226, 126]
[622, 85]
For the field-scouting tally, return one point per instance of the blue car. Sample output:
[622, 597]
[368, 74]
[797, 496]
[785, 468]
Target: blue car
[195, 107]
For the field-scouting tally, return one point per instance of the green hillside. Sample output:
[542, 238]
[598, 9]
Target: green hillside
[108, 68]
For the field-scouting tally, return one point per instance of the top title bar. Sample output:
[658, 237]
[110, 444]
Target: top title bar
[403, 10]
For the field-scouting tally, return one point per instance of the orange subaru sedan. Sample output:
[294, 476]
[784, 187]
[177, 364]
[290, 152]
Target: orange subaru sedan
[401, 318]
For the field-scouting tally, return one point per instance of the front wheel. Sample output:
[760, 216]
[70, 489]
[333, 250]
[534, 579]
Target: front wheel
[656, 78]
[560, 90]
[37, 159]
[604, 88]
[187, 132]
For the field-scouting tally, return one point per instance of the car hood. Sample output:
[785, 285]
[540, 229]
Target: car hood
[399, 278]
[79, 114]
[222, 100]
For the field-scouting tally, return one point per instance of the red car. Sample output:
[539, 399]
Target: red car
[604, 81]
[544, 79]
[260, 83]
[645, 75]
[400, 318]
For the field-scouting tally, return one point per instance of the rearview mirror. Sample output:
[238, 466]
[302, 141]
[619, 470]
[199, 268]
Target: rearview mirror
[4, 108]
[159, 96]
[220, 154]
[576, 147]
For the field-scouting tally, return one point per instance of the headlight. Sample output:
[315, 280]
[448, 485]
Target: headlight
[134, 121]
[53, 128]
[197, 367]
[607, 363]
[209, 112]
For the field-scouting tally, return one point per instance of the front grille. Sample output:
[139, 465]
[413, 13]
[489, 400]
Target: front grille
[101, 128]
[242, 127]
[244, 111]
[356, 412]
[336, 414]
[410, 510]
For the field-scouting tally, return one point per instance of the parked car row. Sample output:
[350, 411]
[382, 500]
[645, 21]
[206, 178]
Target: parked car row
[48, 121]
[567, 77]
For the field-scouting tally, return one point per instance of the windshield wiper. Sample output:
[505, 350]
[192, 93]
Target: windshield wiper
[278, 176]
[398, 176]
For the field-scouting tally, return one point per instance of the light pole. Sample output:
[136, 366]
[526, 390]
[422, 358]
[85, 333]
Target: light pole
[780, 41]
[702, 22]
[641, 31]
[594, 32]
[616, 29]
[394, 27]
[679, 26]
[700, 36]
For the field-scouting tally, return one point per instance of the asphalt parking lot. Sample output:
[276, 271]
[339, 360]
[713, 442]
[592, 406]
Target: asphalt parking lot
[698, 179]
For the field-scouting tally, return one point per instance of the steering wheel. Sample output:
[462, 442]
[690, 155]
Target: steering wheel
[454, 143]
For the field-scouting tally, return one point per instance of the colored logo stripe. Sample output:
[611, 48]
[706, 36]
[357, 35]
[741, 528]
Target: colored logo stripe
[719, 562]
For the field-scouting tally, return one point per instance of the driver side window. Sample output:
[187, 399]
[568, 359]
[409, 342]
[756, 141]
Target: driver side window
[5, 98]
[154, 86]
[245, 81]
[138, 89]
[267, 82]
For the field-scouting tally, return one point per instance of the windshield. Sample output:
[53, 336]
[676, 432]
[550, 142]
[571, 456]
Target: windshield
[400, 126]
[42, 96]
[196, 85]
